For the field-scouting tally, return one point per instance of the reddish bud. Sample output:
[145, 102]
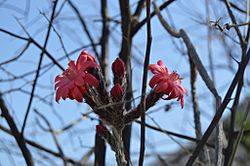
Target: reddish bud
[117, 91]
[100, 129]
[118, 67]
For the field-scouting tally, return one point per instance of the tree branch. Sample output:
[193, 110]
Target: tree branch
[220, 110]
[125, 55]
[39, 66]
[14, 130]
[144, 83]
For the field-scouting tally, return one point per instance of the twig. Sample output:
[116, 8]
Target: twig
[125, 55]
[240, 134]
[40, 147]
[58, 35]
[231, 141]
[174, 134]
[100, 147]
[196, 111]
[139, 8]
[233, 19]
[220, 110]
[53, 135]
[39, 66]
[33, 41]
[138, 26]
[144, 83]
[85, 28]
[19, 138]
[18, 56]
[104, 40]
[236, 7]
[196, 60]
[14, 35]
[211, 67]
[219, 147]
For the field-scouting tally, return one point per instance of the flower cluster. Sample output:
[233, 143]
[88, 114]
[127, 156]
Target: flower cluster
[84, 80]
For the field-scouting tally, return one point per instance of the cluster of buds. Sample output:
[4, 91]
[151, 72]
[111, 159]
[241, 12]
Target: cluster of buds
[84, 80]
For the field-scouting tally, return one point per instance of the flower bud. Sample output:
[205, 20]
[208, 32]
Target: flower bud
[117, 91]
[118, 67]
[100, 129]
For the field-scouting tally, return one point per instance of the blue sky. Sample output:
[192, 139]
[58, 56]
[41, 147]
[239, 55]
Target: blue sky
[187, 15]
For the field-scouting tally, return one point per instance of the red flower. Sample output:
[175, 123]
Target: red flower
[117, 91]
[74, 81]
[100, 129]
[83, 57]
[166, 82]
[118, 67]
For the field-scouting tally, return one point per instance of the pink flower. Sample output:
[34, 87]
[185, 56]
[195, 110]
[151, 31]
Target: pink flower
[83, 57]
[118, 68]
[117, 91]
[74, 81]
[165, 82]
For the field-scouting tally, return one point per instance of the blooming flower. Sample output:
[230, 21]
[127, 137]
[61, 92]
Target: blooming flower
[74, 81]
[118, 67]
[117, 91]
[165, 82]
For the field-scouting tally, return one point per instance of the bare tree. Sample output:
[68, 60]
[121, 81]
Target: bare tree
[206, 42]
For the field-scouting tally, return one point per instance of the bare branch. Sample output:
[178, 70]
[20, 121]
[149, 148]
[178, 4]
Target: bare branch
[125, 55]
[39, 67]
[53, 135]
[19, 138]
[144, 83]
[85, 28]
[40, 147]
[220, 109]
[138, 26]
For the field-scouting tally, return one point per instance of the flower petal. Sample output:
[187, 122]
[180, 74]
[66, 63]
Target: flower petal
[72, 65]
[162, 87]
[79, 81]
[91, 80]
[62, 82]
[76, 93]
[84, 57]
[88, 65]
[154, 80]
